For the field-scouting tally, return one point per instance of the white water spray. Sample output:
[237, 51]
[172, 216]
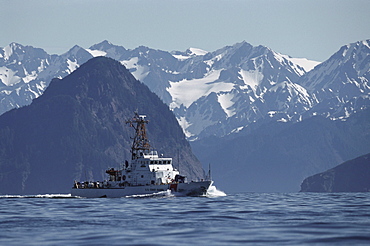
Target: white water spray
[38, 196]
[214, 192]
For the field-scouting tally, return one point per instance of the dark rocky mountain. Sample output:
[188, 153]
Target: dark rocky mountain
[77, 129]
[351, 176]
[277, 156]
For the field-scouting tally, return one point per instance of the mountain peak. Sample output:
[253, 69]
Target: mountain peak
[243, 46]
[15, 45]
[105, 46]
[346, 65]
[10, 49]
[92, 77]
[74, 50]
[350, 50]
[105, 42]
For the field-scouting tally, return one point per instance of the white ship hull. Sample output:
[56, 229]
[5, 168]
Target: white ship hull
[183, 189]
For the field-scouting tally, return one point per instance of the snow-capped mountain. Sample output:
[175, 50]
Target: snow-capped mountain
[19, 68]
[25, 72]
[340, 85]
[211, 93]
[222, 91]
[241, 84]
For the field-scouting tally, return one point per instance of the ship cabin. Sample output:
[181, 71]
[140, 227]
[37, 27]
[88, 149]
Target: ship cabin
[150, 169]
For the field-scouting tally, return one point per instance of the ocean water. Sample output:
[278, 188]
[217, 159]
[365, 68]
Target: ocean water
[162, 219]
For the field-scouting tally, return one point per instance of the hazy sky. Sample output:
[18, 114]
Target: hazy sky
[314, 29]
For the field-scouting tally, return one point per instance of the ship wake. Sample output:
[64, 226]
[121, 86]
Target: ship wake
[51, 196]
[166, 193]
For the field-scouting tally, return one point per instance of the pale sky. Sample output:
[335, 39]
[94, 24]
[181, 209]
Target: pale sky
[313, 29]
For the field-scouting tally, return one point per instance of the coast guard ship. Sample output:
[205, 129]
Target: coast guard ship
[146, 173]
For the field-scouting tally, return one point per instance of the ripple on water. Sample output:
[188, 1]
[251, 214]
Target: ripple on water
[249, 218]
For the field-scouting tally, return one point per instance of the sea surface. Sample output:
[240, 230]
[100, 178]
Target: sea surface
[162, 219]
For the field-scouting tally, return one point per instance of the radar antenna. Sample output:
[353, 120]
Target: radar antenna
[140, 144]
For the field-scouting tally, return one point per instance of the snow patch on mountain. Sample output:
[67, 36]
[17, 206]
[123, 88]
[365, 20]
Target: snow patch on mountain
[308, 65]
[184, 125]
[181, 57]
[251, 78]
[8, 51]
[185, 92]
[197, 52]
[8, 77]
[72, 65]
[96, 53]
[131, 64]
[189, 53]
[29, 76]
[214, 59]
[139, 72]
[199, 122]
[226, 102]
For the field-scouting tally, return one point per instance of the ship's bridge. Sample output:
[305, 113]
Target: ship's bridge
[152, 169]
[152, 161]
[151, 154]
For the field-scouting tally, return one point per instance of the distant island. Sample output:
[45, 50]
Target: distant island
[351, 176]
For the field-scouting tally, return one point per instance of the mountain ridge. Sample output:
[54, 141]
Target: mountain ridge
[241, 83]
[156, 68]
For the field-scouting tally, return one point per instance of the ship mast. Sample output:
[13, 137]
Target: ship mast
[141, 143]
